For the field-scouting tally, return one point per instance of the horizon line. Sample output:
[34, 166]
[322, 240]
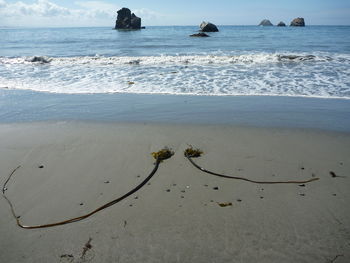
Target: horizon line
[1, 27]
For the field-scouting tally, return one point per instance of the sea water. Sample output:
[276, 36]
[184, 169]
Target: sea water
[313, 61]
[309, 62]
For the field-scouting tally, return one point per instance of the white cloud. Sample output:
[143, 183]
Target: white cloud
[40, 8]
[47, 13]
[2, 3]
[97, 10]
[97, 5]
[146, 14]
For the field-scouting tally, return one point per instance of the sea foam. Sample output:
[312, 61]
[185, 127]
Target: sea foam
[278, 74]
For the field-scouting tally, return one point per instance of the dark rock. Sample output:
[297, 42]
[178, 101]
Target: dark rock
[208, 27]
[281, 24]
[127, 20]
[135, 22]
[332, 174]
[298, 22]
[296, 58]
[265, 22]
[143, 27]
[39, 59]
[199, 35]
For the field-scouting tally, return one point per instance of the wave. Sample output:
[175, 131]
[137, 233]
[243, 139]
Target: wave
[322, 75]
[258, 58]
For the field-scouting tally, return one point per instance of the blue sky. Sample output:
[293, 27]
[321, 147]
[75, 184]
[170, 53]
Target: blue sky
[178, 12]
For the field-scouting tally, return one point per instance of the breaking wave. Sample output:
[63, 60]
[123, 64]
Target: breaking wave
[294, 74]
[180, 59]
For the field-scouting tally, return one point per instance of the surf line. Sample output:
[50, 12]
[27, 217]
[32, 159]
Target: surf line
[159, 156]
[190, 153]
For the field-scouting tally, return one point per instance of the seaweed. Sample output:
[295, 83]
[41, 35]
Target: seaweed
[225, 204]
[163, 154]
[193, 153]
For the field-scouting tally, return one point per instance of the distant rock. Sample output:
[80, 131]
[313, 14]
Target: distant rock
[295, 57]
[208, 27]
[281, 24]
[199, 35]
[127, 20]
[298, 22]
[42, 60]
[265, 22]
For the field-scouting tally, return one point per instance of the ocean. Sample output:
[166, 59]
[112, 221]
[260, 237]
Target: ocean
[239, 61]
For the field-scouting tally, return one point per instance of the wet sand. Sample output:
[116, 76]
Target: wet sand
[69, 169]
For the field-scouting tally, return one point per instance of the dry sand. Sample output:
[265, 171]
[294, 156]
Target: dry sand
[177, 217]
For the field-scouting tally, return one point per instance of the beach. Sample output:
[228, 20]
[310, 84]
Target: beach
[177, 217]
[84, 112]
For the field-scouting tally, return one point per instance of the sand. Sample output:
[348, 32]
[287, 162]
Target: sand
[177, 218]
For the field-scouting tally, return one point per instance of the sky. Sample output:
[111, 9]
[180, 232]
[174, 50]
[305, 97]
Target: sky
[63, 13]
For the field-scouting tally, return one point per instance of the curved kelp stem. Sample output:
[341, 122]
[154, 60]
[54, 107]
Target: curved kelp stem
[159, 156]
[194, 153]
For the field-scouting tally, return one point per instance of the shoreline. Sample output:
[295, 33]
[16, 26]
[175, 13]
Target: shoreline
[259, 111]
[179, 94]
[177, 217]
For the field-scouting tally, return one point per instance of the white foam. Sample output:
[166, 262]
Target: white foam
[180, 59]
[310, 75]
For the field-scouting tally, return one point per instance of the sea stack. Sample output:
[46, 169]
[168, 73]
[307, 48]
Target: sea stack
[298, 22]
[265, 22]
[208, 27]
[127, 20]
[281, 24]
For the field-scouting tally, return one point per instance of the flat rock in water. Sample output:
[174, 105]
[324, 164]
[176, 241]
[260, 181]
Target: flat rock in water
[43, 60]
[295, 58]
[199, 35]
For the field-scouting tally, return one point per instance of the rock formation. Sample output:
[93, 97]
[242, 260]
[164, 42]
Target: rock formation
[199, 35]
[208, 27]
[127, 20]
[298, 22]
[265, 22]
[42, 60]
[281, 24]
[295, 57]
